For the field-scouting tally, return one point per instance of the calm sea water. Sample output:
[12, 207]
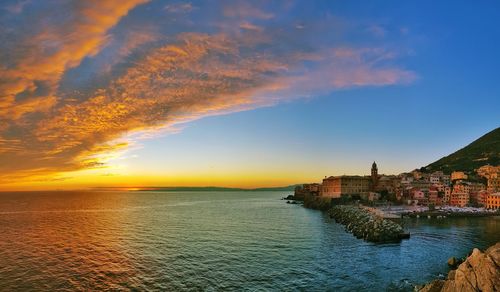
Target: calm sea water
[211, 241]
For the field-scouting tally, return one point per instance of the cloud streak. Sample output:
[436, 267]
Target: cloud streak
[154, 80]
[33, 65]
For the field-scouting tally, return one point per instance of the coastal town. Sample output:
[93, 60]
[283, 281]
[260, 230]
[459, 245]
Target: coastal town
[480, 189]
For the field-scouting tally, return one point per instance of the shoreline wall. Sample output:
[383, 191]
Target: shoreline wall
[317, 202]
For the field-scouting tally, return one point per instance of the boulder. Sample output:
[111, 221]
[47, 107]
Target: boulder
[479, 272]
[453, 262]
[434, 286]
[451, 275]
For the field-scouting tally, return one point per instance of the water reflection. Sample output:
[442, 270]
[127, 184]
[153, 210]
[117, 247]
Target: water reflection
[210, 241]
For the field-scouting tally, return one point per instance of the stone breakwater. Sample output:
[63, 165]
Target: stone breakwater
[366, 225]
[479, 272]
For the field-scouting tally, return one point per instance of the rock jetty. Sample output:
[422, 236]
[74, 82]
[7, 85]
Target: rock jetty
[366, 225]
[479, 272]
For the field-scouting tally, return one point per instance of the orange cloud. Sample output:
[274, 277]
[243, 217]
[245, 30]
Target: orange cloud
[31, 67]
[40, 60]
[175, 79]
[249, 26]
[360, 67]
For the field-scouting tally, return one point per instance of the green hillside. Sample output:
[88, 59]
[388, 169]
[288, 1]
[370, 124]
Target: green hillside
[485, 150]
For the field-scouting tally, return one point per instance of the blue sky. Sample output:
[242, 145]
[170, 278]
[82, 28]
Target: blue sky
[238, 93]
[454, 101]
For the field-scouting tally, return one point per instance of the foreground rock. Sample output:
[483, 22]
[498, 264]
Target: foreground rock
[366, 225]
[453, 262]
[434, 286]
[479, 272]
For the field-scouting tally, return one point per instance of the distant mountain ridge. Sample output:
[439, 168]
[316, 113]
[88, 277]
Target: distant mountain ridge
[485, 150]
[215, 189]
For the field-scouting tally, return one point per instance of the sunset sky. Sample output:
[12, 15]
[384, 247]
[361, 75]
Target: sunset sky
[124, 93]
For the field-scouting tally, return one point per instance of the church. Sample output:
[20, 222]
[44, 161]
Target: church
[335, 186]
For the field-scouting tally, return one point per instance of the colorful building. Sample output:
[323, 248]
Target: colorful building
[494, 184]
[335, 186]
[480, 197]
[493, 201]
[492, 174]
[459, 199]
[458, 175]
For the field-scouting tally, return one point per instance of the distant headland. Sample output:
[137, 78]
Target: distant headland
[199, 189]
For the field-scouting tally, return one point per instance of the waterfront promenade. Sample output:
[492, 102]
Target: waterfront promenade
[384, 214]
[395, 212]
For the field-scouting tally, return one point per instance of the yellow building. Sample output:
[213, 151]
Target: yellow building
[492, 174]
[493, 201]
[335, 186]
[458, 175]
[488, 170]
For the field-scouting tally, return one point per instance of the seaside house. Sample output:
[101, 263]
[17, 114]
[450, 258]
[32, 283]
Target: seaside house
[479, 197]
[445, 179]
[459, 199]
[406, 179]
[493, 201]
[435, 197]
[494, 184]
[436, 177]
[335, 186]
[307, 189]
[488, 170]
[456, 175]
[492, 174]
[420, 196]
[447, 194]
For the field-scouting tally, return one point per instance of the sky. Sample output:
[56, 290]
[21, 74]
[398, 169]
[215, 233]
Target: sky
[138, 93]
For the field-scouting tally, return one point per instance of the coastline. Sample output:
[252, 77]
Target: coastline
[477, 271]
[397, 211]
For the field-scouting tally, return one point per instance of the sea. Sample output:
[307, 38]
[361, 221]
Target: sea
[212, 241]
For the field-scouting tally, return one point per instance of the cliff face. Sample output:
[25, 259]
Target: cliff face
[479, 272]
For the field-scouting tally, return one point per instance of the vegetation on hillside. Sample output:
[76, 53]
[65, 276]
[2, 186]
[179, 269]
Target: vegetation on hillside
[485, 150]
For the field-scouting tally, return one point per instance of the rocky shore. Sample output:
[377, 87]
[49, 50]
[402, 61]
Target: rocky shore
[479, 272]
[366, 225]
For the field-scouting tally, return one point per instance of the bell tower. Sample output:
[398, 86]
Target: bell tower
[374, 175]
